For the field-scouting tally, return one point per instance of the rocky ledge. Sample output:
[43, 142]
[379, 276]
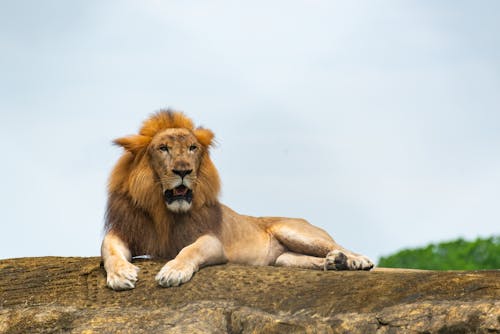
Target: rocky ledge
[61, 294]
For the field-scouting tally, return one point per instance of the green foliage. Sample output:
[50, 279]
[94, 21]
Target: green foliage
[451, 255]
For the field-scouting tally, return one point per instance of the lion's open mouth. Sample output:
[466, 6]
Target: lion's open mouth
[180, 193]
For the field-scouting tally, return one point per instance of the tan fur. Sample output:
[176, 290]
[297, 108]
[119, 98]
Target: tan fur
[171, 156]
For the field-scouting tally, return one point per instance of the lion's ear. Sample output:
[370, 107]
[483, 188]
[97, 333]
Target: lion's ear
[133, 143]
[204, 136]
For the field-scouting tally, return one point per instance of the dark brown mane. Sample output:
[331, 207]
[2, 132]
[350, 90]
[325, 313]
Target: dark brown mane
[136, 211]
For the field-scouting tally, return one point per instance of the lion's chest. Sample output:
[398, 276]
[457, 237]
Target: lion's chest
[186, 229]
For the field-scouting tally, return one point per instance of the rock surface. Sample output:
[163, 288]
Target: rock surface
[60, 295]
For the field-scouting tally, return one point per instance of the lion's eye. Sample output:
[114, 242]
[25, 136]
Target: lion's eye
[163, 148]
[193, 148]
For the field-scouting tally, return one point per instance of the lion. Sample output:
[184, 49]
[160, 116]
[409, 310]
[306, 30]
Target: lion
[163, 203]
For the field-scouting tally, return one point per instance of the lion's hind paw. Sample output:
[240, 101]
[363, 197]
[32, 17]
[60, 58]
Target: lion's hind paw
[341, 260]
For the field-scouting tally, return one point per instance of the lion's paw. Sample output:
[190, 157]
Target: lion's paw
[174, 273]
[341, 260]
[121, 275]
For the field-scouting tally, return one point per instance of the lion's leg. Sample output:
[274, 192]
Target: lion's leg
[121, 274]
[298, 236]
[206, 250]
[301, 237]
[290, 259]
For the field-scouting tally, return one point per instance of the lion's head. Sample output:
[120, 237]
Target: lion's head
[168, 162]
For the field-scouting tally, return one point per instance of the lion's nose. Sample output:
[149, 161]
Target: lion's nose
[182, 173]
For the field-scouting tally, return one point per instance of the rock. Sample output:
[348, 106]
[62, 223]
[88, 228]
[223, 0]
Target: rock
[69, 295]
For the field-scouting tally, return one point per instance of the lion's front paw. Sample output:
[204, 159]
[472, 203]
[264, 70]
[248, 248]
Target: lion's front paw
[339, 260]
[121, 274]
[174, 273]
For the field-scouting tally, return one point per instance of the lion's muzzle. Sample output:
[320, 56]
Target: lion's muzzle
[179, 193]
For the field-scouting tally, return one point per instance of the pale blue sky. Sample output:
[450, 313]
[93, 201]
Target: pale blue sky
[378, 121]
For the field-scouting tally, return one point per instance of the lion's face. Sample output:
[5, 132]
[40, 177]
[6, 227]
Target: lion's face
[167, 163]
[175, 156]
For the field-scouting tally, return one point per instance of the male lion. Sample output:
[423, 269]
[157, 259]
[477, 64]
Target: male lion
[163, 202]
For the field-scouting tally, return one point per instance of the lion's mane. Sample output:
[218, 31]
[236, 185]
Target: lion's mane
[136, 211]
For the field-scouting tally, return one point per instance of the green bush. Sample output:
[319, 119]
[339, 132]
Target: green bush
[451, 255]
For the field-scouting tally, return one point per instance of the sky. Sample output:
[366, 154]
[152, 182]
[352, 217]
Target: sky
[377, 121]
